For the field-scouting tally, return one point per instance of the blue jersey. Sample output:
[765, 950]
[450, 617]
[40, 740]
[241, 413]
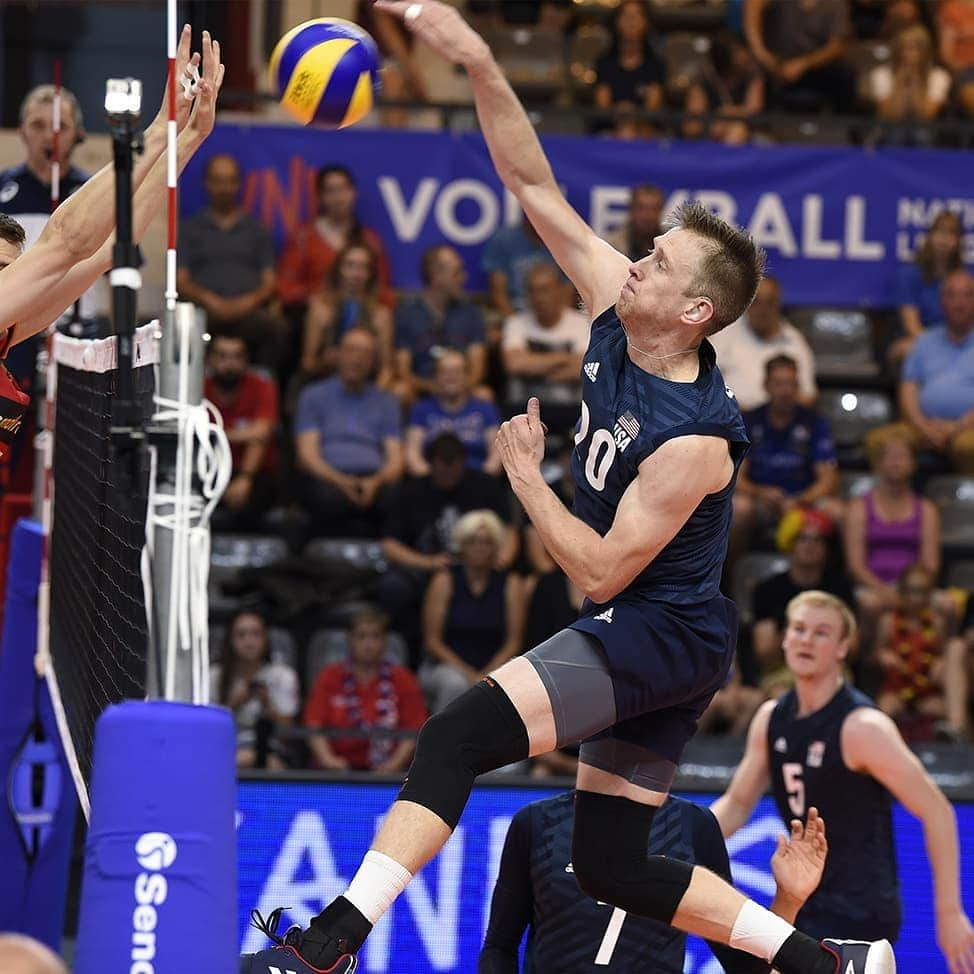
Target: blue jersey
[858, 897]
[627, 414]
[570, 933]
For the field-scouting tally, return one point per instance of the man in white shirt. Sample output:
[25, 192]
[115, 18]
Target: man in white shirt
[542, 347]
[744, 348]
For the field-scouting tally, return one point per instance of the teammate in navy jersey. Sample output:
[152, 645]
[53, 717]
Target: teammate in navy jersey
[572, 933]
[75, 247]
[656, 455]
[825, 744]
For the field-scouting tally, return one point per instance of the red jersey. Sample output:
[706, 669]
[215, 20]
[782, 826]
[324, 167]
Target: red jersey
[254, 398]
[308, 259]
[391, 700]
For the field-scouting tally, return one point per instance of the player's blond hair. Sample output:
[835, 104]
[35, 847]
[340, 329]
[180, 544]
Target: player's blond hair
[817, 599]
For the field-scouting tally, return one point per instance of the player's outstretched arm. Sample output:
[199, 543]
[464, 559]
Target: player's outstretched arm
[75, 231]
[147, 200]
[733, 809]
[871, 744]
[596, 269]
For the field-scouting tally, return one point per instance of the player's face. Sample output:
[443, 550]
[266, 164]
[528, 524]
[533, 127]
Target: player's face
[367, 643]
[659, 283]
[37, 133]
[9, 252]
[813, 642]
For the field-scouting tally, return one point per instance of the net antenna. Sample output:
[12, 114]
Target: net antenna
[190, 468]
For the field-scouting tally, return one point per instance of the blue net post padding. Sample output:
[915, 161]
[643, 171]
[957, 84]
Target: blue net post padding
[160, 879]
[37, 801]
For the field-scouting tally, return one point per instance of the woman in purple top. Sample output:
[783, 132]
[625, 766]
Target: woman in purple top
[891, 527]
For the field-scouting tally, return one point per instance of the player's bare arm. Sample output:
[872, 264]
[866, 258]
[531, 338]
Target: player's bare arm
[195, 120]
[871, 744]
[670, 486]
[596, 269]
[79, 226]
[733, 809]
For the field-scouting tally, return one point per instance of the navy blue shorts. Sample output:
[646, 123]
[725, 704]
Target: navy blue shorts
[666, 662]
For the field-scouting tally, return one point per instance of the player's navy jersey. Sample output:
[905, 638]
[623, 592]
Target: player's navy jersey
[24, 197]
[626, 415]
[858, 896]
[569, 932]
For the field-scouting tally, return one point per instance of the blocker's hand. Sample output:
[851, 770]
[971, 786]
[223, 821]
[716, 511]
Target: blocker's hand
[440, 27]
[204, 106]
[955, 935]
[187, 66]
[520, 442]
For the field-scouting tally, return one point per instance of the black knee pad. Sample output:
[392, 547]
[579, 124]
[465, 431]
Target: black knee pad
[610, 857]
[479, 731]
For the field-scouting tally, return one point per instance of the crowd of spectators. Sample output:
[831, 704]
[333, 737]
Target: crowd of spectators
[645, 69]
[375, 421]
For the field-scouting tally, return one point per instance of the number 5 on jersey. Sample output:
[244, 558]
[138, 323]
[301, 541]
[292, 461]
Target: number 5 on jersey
[793, 774]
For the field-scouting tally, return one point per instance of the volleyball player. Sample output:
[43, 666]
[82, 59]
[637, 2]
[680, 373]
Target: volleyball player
[657, 452]
[826, 744]
[568, 931]
[75, 248]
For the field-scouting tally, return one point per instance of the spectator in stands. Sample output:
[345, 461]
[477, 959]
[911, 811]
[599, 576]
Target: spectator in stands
[439, 319]
[791, 462]
[542, 349]
[918, 283]
[801, 46]
[349, 299]
[348, 441]
[955, 27]
[924, 679]
[745, 348]
[247, 403]
[913, 88]
[226, 266]
[453, 409]
[937, 387]
[314, 247]
[365, 692]
[507, 257]
[630, 75]
[637, 236]
[24, 955]
[811, 567]
[732, 88]
[891, 527]
[261, 692]
[418, 536]
[473, 612]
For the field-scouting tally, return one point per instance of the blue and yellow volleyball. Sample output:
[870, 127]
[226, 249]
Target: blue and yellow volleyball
[326, 71]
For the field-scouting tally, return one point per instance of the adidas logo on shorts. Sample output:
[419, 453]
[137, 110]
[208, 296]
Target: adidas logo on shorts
[591, 370]
[605, 616]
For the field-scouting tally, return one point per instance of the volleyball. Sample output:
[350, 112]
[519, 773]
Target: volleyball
[326, 71]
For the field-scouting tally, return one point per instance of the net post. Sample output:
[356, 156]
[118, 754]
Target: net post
[177, 506]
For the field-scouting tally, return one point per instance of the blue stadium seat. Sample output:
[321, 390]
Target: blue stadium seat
[752, 569]
[329, 646]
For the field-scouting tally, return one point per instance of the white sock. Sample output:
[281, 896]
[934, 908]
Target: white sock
[376, 885]
[758, 931]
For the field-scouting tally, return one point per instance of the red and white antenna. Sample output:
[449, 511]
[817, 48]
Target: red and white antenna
[171, 164]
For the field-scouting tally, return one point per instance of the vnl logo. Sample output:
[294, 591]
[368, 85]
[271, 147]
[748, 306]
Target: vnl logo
[155, 851]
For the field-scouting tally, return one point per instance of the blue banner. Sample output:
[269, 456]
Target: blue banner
[300, 843]
[835, 221]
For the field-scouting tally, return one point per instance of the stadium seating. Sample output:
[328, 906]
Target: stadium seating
[852, 413]
[354, 554]
[855, 483]
[841, 340]
[230, 555]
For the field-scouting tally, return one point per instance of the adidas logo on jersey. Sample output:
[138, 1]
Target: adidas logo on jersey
[781, 745]
[569, 868]
[591, 370]
[605, 616]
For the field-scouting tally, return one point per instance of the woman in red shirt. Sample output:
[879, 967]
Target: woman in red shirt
[312, 250]
[363, 692]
